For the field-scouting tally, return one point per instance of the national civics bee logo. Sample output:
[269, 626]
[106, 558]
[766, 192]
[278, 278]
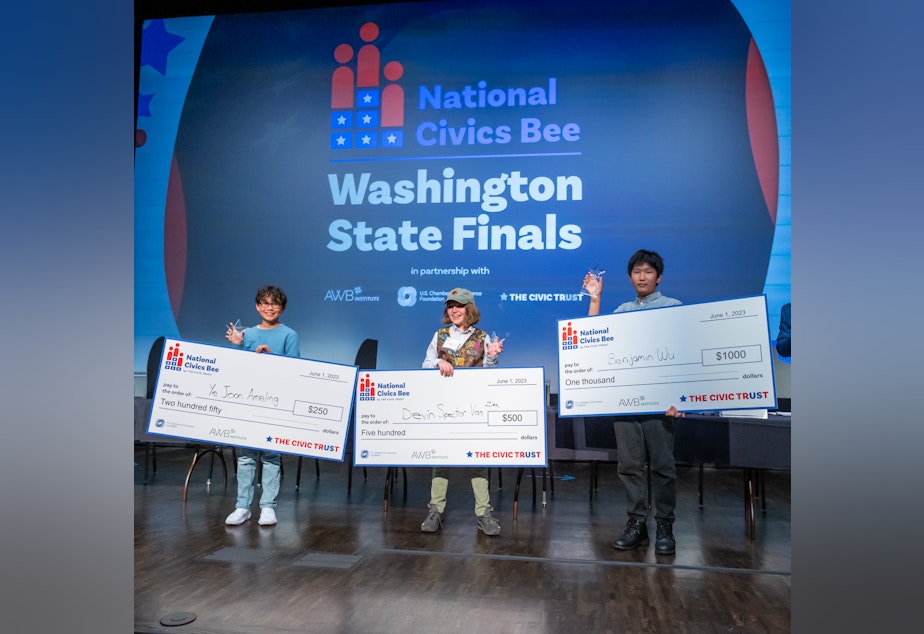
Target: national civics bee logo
[174, 360]
[366, 100]
[569, 337]
[366, 388]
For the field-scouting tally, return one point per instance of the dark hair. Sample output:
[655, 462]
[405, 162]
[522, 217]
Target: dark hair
[272, 294]
[472, 314]
[646, 257]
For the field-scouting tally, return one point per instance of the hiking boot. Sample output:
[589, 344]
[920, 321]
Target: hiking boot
[664, 538]
[433, 521]
[635, 535]
[487, 524]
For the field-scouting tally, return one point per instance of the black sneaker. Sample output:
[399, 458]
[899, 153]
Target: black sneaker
[636, 535]
[664, 538]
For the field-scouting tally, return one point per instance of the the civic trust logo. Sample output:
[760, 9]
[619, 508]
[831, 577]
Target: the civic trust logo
[367, 103]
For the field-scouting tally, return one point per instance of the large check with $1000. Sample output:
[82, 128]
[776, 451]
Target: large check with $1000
[230, 396]
[697, 357]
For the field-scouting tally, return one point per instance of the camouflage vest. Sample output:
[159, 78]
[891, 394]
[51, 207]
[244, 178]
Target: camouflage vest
[469, 355]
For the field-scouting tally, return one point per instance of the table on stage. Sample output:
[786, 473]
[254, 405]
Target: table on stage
[750, 444]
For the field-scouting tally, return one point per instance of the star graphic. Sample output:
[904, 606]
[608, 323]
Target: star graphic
[469, 454]
[392, 138]
[269, 439]
[341, 140]
[367, 119]
[341, 120]
[156, 44]
[503, 297]
[683, 399]
[367, 98]
[144, 105]
[366, 139]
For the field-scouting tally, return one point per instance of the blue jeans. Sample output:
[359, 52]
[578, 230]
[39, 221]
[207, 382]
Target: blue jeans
[246, 473]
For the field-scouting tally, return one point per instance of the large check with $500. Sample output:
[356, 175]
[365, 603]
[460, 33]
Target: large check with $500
[230, 396]
[697, 357]
[477, 417]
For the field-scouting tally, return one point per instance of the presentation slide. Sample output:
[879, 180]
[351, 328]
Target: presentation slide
[369, 159]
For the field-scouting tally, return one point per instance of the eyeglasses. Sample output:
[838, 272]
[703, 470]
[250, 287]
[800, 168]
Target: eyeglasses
[269, 305]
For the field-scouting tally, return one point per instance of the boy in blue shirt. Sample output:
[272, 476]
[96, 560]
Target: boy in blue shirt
[273, 337]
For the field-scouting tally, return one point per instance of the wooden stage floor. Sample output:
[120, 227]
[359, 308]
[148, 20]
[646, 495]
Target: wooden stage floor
[339, 563]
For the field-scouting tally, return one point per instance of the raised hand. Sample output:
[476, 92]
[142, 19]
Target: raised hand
[593, 283]
[494, 346]
[234, 335]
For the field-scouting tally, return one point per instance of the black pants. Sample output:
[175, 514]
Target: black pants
[635, 435]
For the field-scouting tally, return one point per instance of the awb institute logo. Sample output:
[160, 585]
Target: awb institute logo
[366, 101]
[174, 360]
[366, 388]
[569, 337]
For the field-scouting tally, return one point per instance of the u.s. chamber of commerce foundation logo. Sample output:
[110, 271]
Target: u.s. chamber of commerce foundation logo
[366, 100]
[407, 296]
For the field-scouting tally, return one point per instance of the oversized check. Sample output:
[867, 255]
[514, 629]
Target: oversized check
[698, 357]
[476, 417]
[230, 396]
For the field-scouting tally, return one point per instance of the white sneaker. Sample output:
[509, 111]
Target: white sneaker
[267, 517]
[238, 517]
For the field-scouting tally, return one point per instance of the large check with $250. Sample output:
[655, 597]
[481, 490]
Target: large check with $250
[697, 357]
[230, 396]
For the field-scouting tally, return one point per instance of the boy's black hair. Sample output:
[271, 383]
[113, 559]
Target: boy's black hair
[272, 294]
[646, 257]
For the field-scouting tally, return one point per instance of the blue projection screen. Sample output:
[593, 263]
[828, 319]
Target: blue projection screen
[369, 159]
